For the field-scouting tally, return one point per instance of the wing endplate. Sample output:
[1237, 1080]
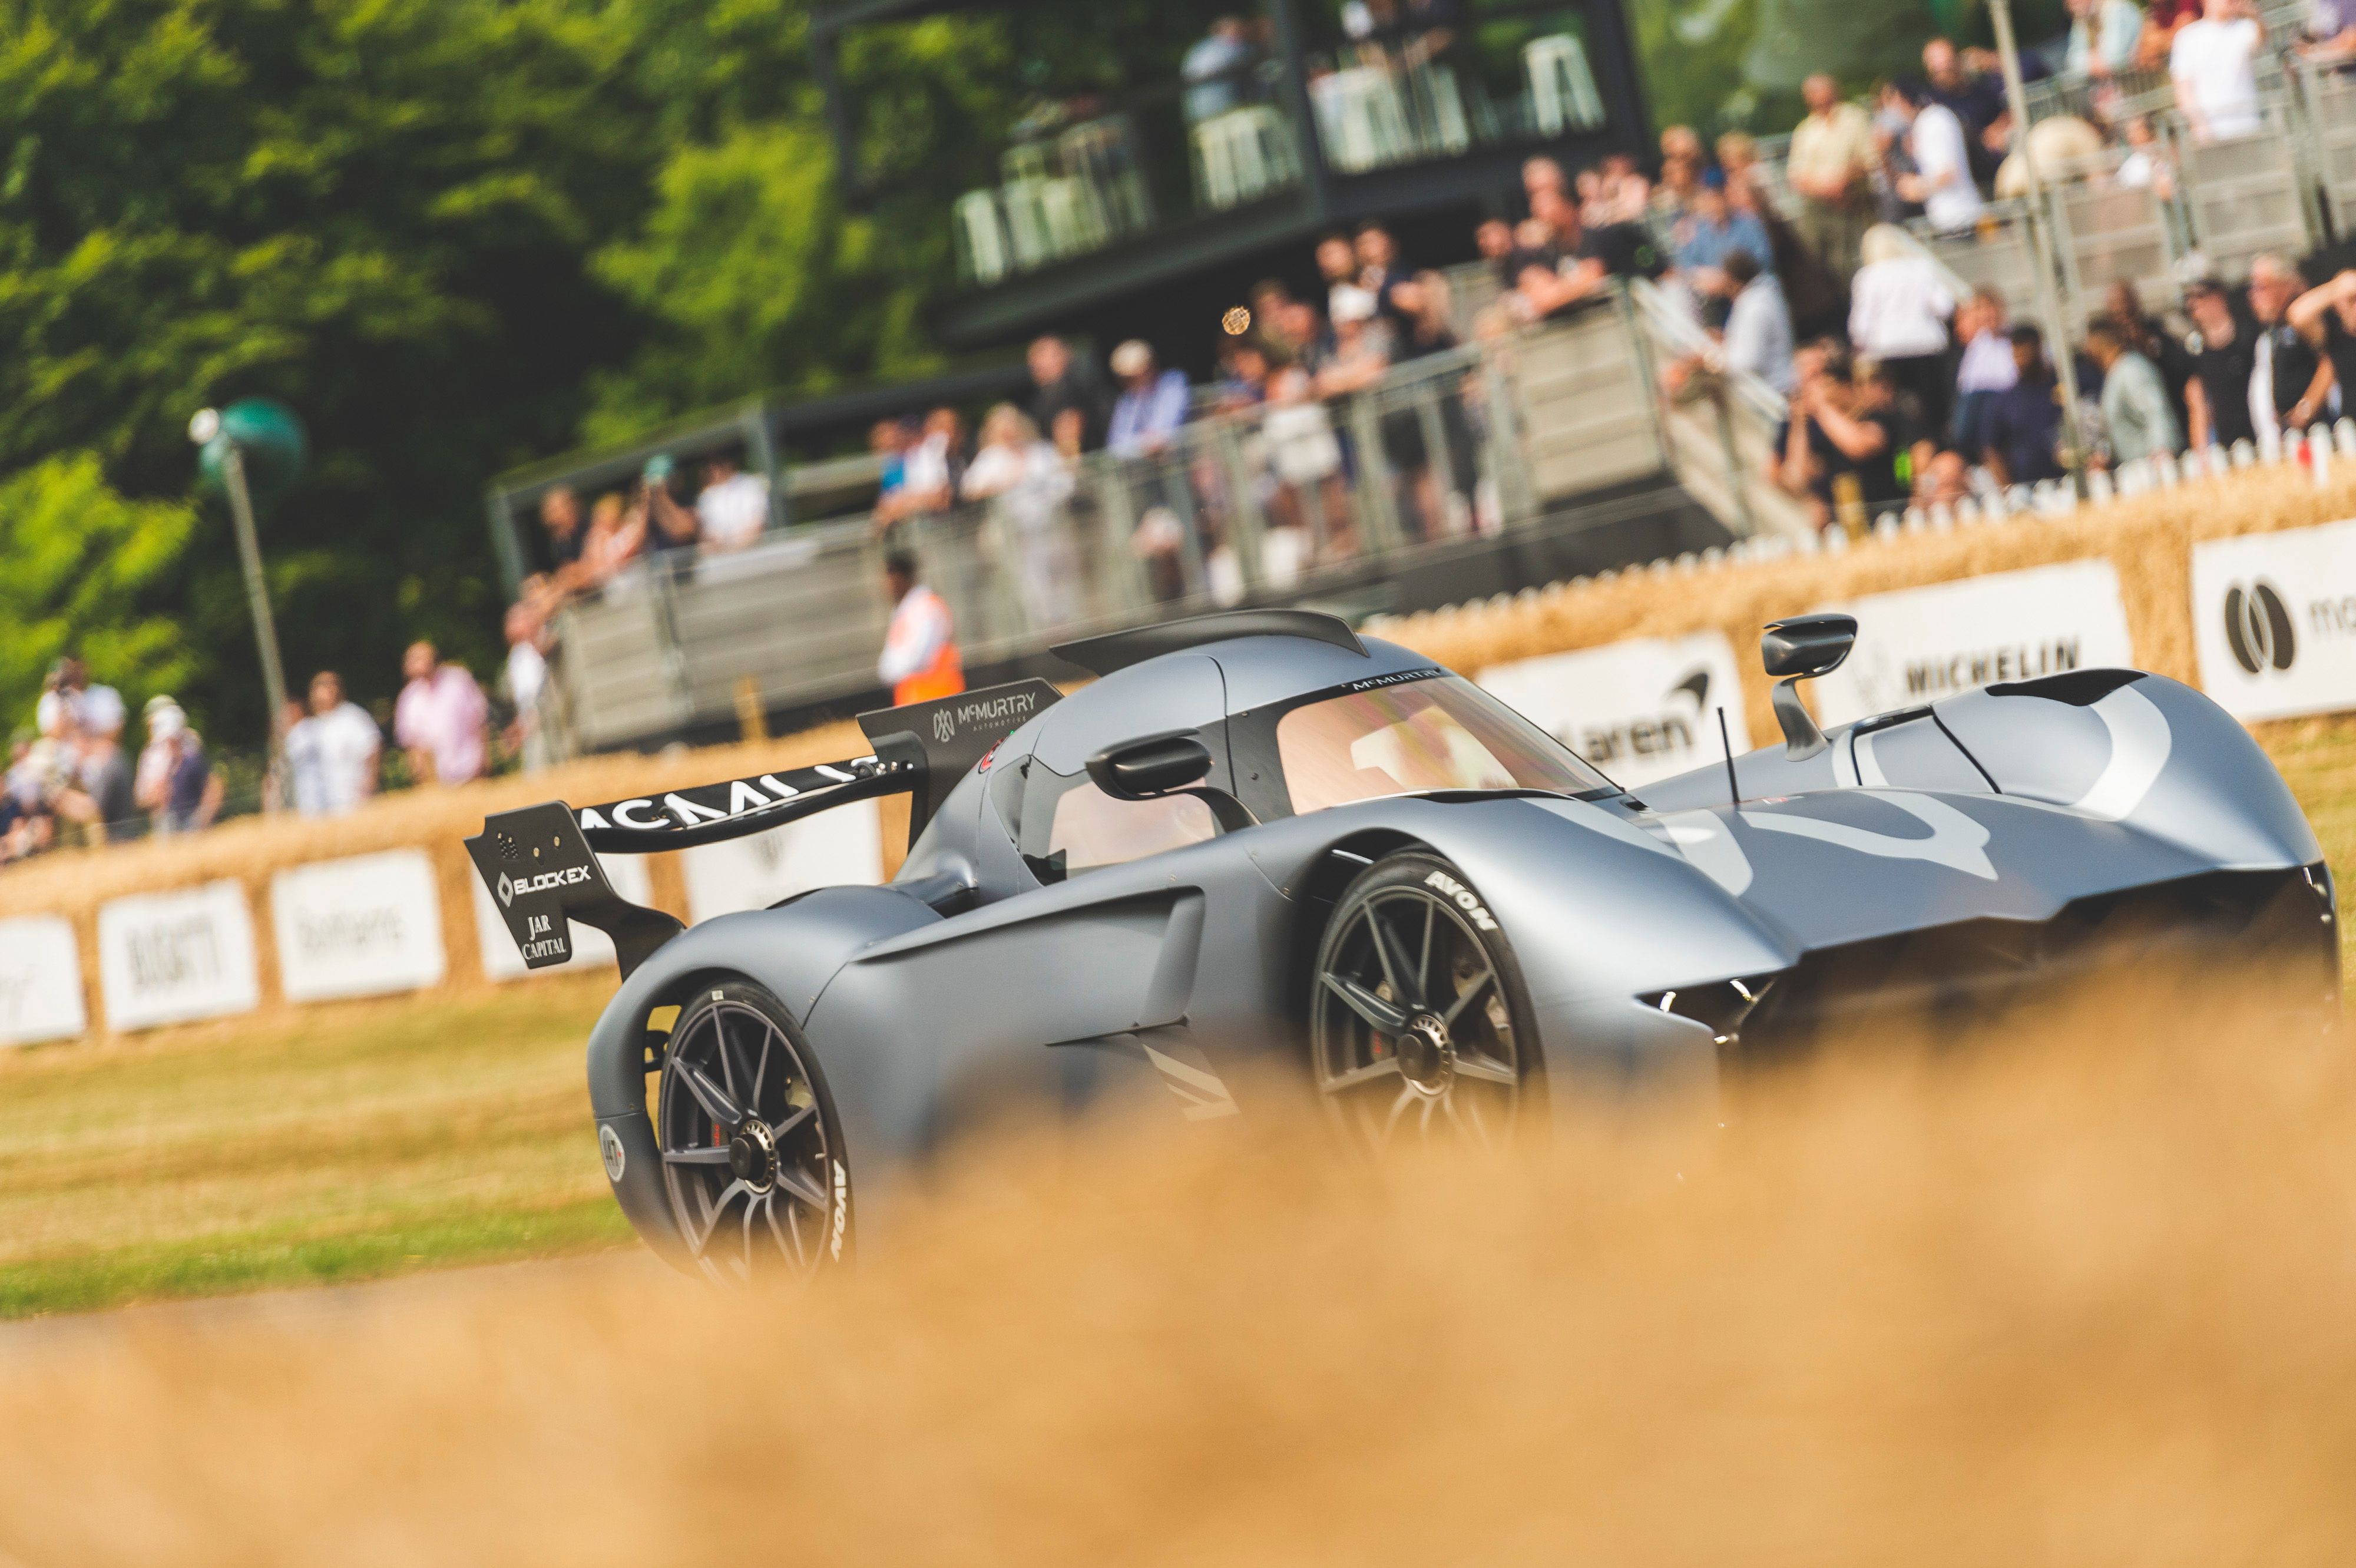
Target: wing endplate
[542, 874]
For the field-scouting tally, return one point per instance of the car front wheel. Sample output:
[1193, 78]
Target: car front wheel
[1418, 1021]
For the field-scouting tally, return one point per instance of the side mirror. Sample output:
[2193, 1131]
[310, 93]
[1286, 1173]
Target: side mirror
[1797, 649]
[1174, 763]
[1149, 765]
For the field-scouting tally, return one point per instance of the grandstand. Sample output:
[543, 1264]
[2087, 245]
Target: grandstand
[1148, 211]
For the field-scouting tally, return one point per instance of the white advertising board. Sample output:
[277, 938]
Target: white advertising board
[1918, 645]
[591, 947]
[166, 958]
[368, 925]
[831, 849]
[41, 981]
[2274, 620]
[1642, 710]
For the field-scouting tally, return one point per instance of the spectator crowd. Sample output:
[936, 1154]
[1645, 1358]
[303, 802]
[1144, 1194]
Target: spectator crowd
[1904, 389]
[72, 782]
[1803, 275]
[1306, 375]
[1804, 278]
[71, 779]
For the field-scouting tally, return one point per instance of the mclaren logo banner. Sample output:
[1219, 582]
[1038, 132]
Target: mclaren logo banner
[1918, 645]
[2273, 621]
[1640, 711]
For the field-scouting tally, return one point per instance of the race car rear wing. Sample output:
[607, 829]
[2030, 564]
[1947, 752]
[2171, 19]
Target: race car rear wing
[541, 863]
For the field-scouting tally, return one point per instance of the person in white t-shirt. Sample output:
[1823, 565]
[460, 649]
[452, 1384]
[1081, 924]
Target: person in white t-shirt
[332, 755]
[1899, 315]
[2213, 64]
[1942, 180]
[734, 507]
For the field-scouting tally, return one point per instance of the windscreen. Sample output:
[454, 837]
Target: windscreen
[1438, 733]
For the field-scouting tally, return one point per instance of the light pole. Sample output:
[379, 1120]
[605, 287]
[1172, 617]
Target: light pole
[2043, 257]
[221, 446]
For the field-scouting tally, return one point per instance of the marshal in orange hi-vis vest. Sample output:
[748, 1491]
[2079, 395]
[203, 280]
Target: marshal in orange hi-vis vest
[920, 652]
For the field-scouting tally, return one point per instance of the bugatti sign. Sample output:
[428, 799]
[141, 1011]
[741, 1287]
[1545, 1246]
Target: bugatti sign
[166, 958]
[1642, 710]
[2274, 620]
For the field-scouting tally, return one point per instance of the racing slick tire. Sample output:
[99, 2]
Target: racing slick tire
[1418, 1020]
[752, 1147]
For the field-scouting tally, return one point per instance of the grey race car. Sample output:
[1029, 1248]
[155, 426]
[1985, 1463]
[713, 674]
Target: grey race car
[1260, 841]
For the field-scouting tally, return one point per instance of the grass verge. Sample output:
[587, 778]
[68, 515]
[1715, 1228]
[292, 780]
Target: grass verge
[337, 1144]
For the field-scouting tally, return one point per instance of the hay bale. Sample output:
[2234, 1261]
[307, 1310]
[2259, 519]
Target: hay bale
[251, 850]
[2147, 538]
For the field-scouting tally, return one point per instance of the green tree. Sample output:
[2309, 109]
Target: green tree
[438, 228]
[78, 564]
[756, 279]
[377, 211]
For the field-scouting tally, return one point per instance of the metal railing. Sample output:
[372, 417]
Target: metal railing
[1289, 500]
[2113, 99]
[1721, 434]
[2287, 189]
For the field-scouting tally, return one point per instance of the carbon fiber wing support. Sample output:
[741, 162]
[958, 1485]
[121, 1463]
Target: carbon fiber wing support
[541, 863]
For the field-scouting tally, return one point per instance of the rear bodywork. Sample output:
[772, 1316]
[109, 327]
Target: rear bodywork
[1941, 861]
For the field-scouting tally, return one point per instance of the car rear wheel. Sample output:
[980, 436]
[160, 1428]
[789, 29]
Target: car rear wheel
[1418, 1025]
[752, 1148]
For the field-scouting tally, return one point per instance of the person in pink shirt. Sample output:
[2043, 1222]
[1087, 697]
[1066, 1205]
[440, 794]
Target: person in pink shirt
[441, 718]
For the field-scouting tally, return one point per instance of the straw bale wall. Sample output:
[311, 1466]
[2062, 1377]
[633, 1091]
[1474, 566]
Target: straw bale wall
[2147, 539]
[251, 850]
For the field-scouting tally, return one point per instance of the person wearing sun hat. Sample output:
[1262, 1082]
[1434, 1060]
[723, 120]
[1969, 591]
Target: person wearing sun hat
[175, 783]
[1154, 402]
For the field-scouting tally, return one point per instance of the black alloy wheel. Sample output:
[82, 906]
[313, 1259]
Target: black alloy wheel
[1417, 1024]
[752, 1148]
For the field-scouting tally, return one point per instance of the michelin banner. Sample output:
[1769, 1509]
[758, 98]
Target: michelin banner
[167, 958]
[41, 981]
[1918, 645]
[591, 947]
[841, 846]
[368, 925]
[1642, 710]
[2273, 621]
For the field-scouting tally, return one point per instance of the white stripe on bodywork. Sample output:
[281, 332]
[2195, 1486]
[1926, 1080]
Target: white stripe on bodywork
[1706, 841]
[1869, 767]
[2140, 742]
[1201, 1091]
[1956, 841]
[1864, 767]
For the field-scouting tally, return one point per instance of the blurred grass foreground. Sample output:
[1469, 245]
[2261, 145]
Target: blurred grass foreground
[2087, 1296]
[2083, 1295]
[328, 1145]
